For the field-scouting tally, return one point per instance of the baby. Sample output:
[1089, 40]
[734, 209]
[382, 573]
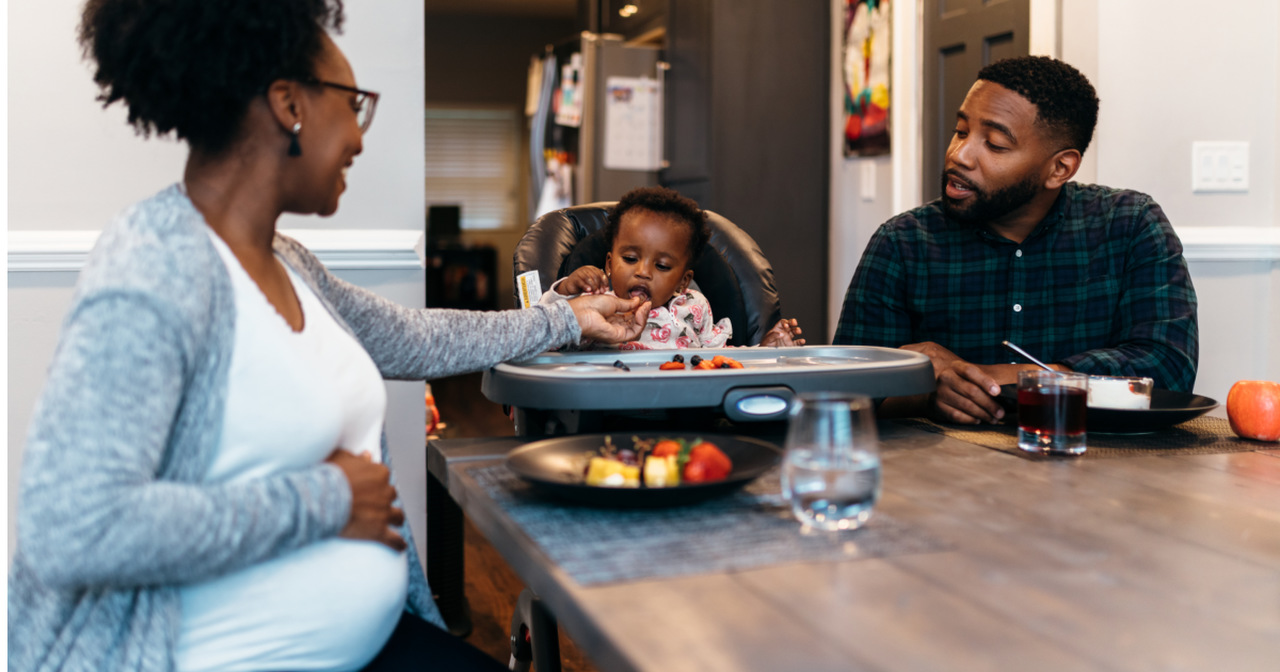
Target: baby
[655, 236]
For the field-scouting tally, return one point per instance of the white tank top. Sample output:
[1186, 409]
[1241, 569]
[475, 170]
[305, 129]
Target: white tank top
[292, 398]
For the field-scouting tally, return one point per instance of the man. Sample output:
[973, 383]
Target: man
[1085, 277]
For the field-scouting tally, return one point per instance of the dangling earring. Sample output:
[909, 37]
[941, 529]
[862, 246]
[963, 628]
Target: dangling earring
[294, 148]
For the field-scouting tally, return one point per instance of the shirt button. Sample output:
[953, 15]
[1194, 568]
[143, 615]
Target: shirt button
[1017, 307]
[1018, 253]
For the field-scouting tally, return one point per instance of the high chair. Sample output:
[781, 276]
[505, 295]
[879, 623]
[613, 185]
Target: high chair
[732, 272]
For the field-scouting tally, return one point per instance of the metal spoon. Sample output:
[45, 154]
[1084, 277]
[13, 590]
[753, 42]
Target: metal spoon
[1026, 354]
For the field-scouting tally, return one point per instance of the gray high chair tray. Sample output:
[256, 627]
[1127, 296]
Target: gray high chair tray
[760, 391]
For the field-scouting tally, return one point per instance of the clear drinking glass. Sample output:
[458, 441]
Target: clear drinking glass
[831, 472]
[1052, 408]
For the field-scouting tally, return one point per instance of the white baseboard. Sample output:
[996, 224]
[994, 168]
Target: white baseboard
[1230, 243]
[338, 249]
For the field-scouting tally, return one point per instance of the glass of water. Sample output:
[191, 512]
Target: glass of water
[831, 472]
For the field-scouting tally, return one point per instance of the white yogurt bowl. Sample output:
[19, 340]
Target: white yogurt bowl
[1124, 392]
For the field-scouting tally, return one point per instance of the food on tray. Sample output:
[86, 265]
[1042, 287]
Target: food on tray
[697, 362]
[621, 365]
[1124, 392]
[663, 464]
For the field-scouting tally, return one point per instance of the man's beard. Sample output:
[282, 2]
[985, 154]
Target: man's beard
[985, 208]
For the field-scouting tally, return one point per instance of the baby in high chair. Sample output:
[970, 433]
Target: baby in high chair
[655, 236]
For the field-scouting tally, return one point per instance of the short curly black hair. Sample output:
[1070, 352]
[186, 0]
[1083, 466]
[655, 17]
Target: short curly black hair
[192, 66]
[663, 201]
[1065, 101]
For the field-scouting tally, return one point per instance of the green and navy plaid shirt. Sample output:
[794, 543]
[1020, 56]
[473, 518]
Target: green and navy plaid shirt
[1099, 286]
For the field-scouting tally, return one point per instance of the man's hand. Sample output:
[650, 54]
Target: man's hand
[784, 333]
[372, 515]
[609, 319]
[966, 394]
[941, 357]
[584, 280]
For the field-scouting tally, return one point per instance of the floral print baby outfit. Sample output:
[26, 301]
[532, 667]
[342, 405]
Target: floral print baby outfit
[684, 322]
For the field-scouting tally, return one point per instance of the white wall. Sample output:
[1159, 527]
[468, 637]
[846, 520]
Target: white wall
[1206, 73]
[864, 192]
[73, 165]
[79, 164]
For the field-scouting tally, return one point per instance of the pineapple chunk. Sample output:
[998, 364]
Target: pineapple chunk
[604, 472]
[661, 472]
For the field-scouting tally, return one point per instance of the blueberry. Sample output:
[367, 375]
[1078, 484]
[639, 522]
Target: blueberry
[726, 365]
[678, 358]
[618, 364]
[695, 360]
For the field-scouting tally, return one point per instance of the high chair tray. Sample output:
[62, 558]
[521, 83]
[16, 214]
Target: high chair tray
[761, 390]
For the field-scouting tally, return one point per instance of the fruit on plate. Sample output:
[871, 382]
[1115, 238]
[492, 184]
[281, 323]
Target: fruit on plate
[661, 472]
[662, 464]
[610, 473]
[1253, 408]
[666, 447]
[706, 463]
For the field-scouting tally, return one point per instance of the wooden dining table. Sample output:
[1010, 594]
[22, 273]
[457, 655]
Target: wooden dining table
[1160, 562]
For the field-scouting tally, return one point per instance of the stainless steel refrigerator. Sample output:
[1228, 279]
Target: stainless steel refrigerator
[569, 113]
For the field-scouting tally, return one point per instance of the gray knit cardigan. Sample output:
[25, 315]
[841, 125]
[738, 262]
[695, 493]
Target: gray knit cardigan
[114, 515]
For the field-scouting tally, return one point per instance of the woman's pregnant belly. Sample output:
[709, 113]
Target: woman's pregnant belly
[329, 606]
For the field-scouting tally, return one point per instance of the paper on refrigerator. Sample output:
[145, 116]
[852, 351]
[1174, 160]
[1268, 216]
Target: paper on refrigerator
[633, 123]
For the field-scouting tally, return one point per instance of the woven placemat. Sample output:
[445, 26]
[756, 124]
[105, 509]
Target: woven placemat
[748, 529]
[1200, 436]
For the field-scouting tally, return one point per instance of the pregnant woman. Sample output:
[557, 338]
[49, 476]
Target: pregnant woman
[204, 484]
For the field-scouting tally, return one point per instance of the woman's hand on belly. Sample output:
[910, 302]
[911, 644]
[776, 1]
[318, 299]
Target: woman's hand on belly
[372, 514]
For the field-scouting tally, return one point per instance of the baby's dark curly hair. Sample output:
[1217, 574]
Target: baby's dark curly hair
[1065, 101]
[192, 66]
[665, 202]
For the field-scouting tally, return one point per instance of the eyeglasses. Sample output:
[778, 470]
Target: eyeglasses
[365, 104]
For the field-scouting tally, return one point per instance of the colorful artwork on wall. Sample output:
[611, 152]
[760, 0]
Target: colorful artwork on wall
[867, 52]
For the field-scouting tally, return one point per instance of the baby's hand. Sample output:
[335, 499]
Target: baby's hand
[783, 334]
[584, 280]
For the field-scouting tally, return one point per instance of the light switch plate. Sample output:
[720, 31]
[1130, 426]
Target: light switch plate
[867, 181]
[1219, 167]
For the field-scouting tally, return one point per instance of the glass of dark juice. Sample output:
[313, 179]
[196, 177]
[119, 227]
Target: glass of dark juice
[1051, 412]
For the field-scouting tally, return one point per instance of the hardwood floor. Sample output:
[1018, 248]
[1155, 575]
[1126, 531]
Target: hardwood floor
[491, 586]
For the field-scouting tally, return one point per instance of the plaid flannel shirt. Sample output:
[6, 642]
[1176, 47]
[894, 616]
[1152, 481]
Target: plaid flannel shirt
[1099, 286]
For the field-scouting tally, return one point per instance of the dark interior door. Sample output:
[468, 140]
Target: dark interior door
[960, 38]
[747, 134]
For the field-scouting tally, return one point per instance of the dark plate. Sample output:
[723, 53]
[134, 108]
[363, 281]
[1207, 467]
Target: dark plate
[556, 466]
[1168, 408]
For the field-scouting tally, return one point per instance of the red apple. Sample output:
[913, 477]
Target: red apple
[1253, 407]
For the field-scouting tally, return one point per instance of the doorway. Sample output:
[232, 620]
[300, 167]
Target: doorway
[960, 38]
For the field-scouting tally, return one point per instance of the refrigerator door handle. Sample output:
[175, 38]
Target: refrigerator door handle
[662, 67]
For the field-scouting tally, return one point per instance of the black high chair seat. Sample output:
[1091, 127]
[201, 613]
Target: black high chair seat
[733, 273]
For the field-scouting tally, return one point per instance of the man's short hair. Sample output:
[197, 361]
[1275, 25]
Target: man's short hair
[1066, 103]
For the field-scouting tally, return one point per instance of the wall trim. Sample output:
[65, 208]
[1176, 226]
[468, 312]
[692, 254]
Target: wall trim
[338, 249]
[1230, 243]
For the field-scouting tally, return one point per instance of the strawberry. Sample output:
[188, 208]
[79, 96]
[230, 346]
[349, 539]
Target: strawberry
[665, 448]
[694, 472]
[717, 465]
